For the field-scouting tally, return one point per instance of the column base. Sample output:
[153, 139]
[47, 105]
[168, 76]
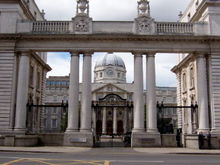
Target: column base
[136, 130]
[78, 139]
[71, 130]
[20, 131]
[153, 131]
[145, 139]
[204, 131]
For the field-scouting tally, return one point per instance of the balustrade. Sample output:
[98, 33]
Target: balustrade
[174, 27]
[51, 26]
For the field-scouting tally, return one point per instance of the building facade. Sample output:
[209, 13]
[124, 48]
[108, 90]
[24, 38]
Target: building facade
[21, 72]
[198, 78]
[25, 36]
[109, 83]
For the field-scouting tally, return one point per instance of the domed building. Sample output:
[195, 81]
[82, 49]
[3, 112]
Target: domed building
[112, 98]
[110, 69]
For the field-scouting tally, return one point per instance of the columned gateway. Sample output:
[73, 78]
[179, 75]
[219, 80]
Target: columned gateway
[22, 93]
[73, 114]
[118, 110]
[138, 94]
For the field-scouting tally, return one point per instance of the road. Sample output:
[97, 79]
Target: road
[106, 156]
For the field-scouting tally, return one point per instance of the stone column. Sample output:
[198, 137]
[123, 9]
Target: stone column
[22, 93]
[94, 119]
[86, 94]
[73, 109]
[104, 117]
[202, 93]
[115, 121]
[125, 120]
[151, 95]
[138, 94]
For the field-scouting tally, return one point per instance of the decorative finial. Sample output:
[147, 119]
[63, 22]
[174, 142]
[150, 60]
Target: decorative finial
[43, 13]
[82, 7]
[143, 8]
[180, 14]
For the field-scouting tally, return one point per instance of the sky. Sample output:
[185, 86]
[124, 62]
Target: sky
[118, 10]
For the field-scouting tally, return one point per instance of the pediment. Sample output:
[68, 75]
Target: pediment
[109, 88]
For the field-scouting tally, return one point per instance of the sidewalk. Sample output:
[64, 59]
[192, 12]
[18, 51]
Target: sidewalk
[80, 149]
[45, 149]
[176, 151]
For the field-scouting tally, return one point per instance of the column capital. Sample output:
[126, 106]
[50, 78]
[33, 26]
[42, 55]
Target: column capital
[89, 53]
[150, 54]
[24, 53]
[74, 53]
[137, 53]
[200, 55]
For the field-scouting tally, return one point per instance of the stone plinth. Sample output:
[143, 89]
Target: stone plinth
[168, 140]
[192, 141]
[21, 141]
[143, 139]
[78, 139]
[51, 139]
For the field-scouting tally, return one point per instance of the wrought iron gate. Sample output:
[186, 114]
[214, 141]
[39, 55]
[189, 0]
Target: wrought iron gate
[46, 118]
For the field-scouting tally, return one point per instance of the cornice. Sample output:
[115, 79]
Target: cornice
[108, 37]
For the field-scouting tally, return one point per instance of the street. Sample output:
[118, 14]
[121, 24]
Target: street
[106, 156]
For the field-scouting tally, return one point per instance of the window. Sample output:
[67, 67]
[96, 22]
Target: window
[119, 75]
[38, 80]
[54, 98]
[54, 123]
[101, 75]
[54, 110]
[184, 82]
[45, 122]
[31, 78]
[192, 78]
[35, 14]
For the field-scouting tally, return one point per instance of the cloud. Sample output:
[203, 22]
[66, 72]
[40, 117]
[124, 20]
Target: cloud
[60, 63]
[161, 10]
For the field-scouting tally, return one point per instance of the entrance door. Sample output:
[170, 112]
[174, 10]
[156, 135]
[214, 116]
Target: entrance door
[120, 129]
[99, 127]
[109, 127]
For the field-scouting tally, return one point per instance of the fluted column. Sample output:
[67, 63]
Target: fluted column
[115, 121]
[22, 92]
[104, 116]
[73, 109]
[202, 93]
[138, 94]
[151, 95]
[86, 94]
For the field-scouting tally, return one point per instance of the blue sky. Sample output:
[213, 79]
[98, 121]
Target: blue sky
[161, 10]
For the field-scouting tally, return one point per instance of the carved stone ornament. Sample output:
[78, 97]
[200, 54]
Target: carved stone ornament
[144, 25]
[82, 24]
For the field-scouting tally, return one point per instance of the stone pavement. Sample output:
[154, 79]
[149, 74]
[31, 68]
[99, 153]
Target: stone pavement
[80, 149]
[45, 149]
[176, 151]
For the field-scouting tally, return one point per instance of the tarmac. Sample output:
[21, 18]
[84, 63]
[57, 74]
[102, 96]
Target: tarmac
[59, 149]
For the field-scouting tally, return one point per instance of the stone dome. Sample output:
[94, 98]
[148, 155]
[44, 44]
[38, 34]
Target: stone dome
[110, 59]
[110, 69]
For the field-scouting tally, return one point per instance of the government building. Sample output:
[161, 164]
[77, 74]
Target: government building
[112, 99]
[63, 112]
